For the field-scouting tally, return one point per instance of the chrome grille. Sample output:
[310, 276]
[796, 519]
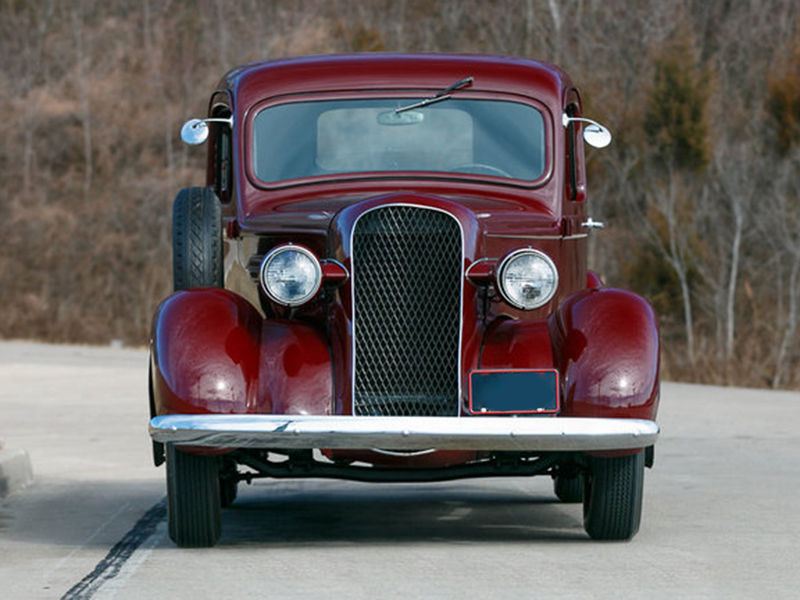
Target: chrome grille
[407, 274]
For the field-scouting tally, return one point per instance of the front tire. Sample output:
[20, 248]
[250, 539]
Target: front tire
[228, 482]
[193, 499]
[568, 489]
[612, 497]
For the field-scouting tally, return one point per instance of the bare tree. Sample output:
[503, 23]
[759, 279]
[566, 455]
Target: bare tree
[81, 76]
[99, 89]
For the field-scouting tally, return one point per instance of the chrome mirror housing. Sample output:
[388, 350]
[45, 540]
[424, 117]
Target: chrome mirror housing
[195, 131]
[594, 134]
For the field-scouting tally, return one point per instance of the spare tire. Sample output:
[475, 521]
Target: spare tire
[197, 239]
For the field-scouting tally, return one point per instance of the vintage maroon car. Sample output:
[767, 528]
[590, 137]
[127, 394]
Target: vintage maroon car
[384, 279]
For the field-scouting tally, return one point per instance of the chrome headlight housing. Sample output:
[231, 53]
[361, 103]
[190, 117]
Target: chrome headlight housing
[290, 275]
[527, 279]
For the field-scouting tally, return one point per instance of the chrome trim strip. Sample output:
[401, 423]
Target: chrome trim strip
[536, 434]
[353, 296]
[333, 261]
[404, 453]
[474, 264]
[511, 236]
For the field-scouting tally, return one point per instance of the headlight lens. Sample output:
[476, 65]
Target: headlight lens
[290, 275]
[527, 279]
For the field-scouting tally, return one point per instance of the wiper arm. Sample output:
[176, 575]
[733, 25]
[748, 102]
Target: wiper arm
[445, 94]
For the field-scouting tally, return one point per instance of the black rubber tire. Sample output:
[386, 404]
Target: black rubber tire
[193, 499]
[228, 484]
[612, 497]
[158, 447]
[228, 491]
[197, 239]
[568, 489]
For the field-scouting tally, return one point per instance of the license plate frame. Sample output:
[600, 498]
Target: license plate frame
[514, 392]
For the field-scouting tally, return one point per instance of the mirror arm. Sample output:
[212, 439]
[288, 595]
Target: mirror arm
[566, 120]
[228, 120]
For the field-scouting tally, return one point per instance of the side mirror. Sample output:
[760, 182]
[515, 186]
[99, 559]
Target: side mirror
[594, 134]
[195, 131]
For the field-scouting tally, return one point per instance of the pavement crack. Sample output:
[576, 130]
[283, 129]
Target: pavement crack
[109, 567]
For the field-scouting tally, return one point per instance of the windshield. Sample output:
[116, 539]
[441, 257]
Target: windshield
[478, 137]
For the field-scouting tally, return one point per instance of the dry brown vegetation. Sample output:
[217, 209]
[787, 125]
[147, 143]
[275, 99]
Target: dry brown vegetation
[700, 188]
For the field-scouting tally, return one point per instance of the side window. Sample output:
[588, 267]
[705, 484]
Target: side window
[576, 182]
[221, 167]
[572, 167]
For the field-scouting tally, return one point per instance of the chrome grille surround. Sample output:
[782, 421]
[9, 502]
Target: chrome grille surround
[407, 286]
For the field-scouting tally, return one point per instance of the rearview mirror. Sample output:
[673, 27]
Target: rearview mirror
[195, 131]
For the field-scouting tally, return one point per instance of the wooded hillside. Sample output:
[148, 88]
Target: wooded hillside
[699, 189]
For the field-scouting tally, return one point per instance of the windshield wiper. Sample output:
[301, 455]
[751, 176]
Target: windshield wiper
[443, 95]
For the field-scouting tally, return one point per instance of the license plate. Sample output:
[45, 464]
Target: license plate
[513, 391]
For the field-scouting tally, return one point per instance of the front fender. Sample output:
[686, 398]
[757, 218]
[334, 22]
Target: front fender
[606, 347]
[212, 352]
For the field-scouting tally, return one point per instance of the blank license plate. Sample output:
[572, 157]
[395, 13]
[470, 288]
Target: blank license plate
[517, 391]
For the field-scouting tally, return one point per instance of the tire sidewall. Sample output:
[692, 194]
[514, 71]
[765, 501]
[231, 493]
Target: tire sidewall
[612, 497]
[197, 239]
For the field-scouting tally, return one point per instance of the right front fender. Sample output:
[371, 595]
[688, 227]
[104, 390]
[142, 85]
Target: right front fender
[212, 352]
[205, 353]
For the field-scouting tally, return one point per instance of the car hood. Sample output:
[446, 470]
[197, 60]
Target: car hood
[494, 217]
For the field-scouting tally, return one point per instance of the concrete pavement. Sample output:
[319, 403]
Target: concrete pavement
[720, 517]
[80, 413]
[16, 472]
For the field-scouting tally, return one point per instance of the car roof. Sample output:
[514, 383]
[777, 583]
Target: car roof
[254, 82]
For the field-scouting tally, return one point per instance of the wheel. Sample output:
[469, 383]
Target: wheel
[228, 483]
[197, 239]
[228, 490]
[612, 497]
[568, 489]
[193, 499]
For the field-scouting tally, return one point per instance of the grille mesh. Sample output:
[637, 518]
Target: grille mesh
[407, 287]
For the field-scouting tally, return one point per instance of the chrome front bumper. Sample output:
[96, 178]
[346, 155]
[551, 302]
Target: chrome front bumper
[564, 434]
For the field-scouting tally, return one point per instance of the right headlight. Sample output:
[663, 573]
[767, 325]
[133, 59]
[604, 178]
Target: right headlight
[527, 279]
[291, 275]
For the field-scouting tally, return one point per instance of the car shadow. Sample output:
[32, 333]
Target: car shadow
[77, 513]
[333, 513]
[96, 514]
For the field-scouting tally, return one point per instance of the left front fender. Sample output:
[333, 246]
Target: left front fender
[606, 347]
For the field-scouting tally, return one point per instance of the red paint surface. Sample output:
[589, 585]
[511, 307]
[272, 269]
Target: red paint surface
[205, 353]
[606, 347]
[214, 352]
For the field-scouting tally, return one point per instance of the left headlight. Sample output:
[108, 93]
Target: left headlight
[527, 279]
[290, 275]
